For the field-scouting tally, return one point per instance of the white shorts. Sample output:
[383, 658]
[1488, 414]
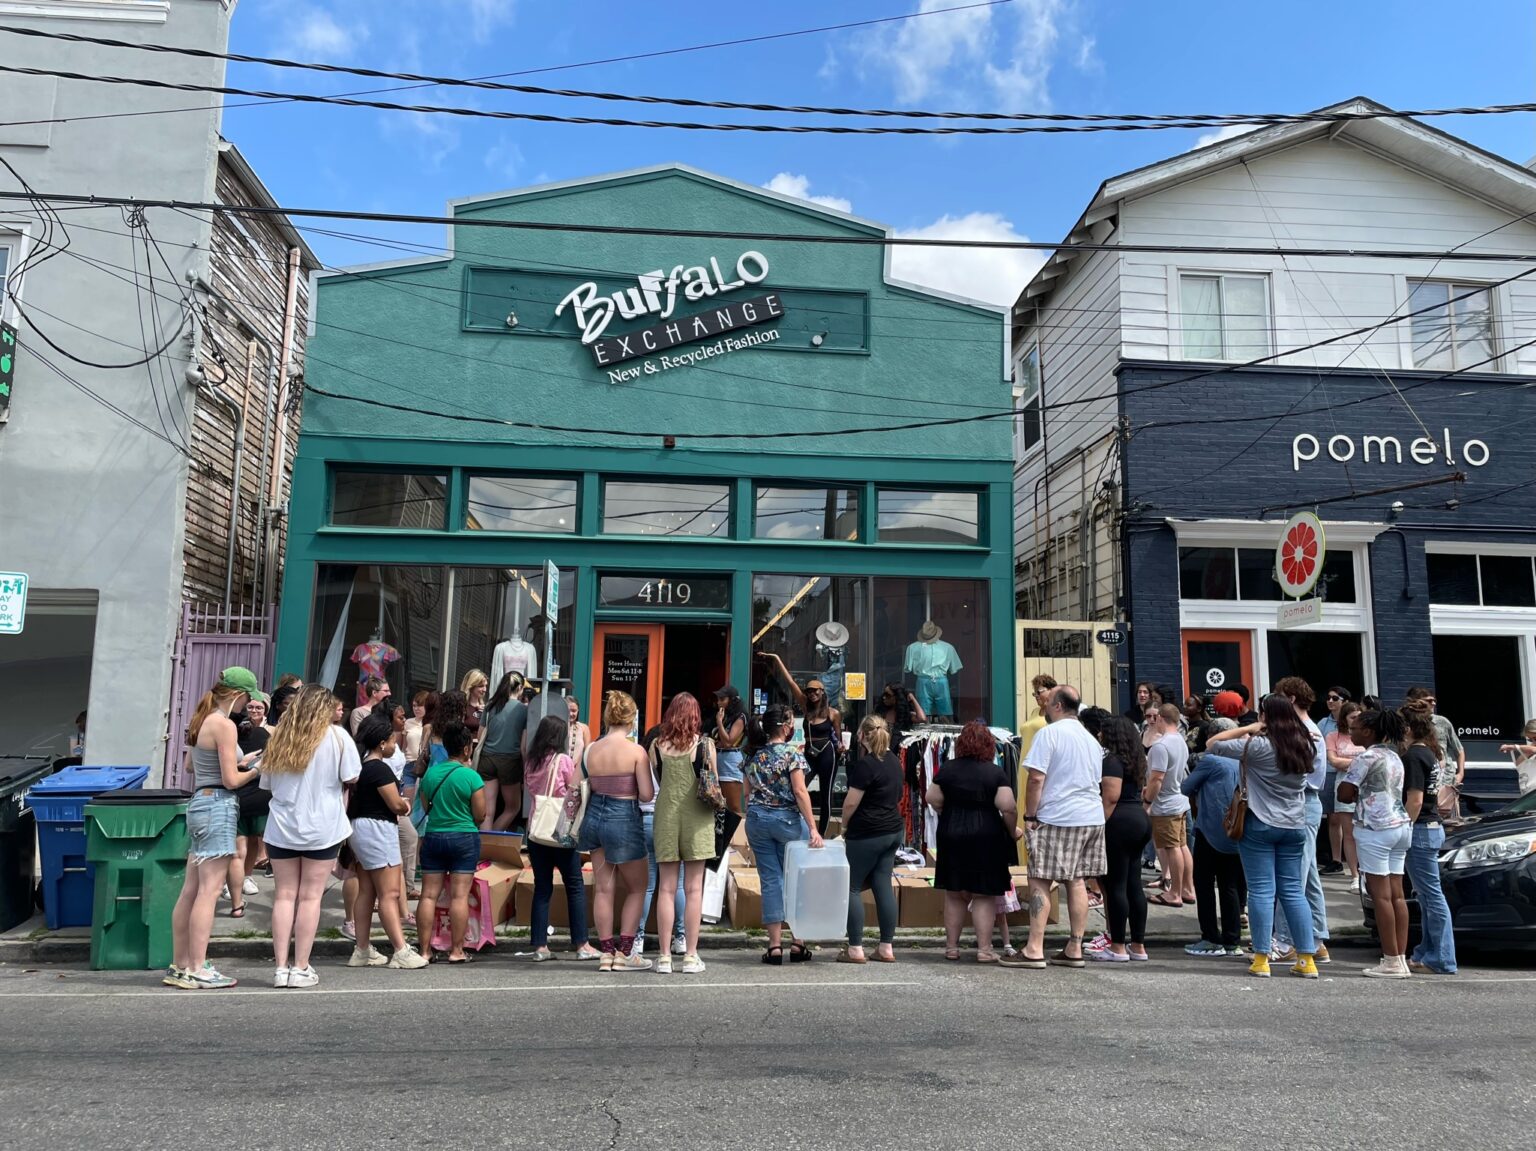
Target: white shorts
[375, 843]
[1383, 852]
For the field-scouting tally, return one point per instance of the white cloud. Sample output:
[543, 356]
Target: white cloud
[789, 184]
[485, 16]
[505, 160]
[1001, 57]
[317, 33]
[1231, 131]
[994, 275]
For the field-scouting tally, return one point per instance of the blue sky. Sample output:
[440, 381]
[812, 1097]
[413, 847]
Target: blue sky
[1028, 55]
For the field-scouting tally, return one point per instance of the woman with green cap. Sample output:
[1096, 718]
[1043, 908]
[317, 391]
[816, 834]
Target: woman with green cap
[213, 761]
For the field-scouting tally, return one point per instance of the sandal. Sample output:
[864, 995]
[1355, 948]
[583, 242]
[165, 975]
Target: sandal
[800, 953]
[878, 958]
[774, 956]
[986, 957]
[1162, 900]
[461, 962]
[843, 956]
[952, 954]
[237, 912]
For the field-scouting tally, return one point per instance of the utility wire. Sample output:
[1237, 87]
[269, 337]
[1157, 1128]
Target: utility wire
[1149, 124]
[867, 239]
[1182, 120]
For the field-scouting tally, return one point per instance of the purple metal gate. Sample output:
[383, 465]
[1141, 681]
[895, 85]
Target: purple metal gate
[210, 640]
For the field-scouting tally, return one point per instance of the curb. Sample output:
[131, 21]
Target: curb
[76, 951]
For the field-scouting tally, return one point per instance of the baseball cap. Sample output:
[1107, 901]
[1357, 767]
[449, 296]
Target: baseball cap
[1228, 704]
[243, 679]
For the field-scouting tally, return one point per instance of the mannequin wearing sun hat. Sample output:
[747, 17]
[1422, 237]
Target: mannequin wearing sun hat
[932, 659]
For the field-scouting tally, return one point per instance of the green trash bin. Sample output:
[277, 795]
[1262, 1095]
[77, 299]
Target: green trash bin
[18, 838]
[138, 841]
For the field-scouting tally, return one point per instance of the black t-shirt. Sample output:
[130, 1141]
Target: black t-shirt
[879, 812]
[366, 802]
[1420, 768]
[1130, 790]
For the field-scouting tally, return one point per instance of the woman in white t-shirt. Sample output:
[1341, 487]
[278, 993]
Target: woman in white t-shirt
[308, 762]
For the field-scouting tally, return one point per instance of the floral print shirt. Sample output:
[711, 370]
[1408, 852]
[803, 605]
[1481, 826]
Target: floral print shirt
[768, 775]
[1378, 773]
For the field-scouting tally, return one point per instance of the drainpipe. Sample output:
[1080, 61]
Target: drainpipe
[274, 507]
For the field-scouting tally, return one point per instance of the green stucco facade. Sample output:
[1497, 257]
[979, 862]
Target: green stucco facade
[414, 367]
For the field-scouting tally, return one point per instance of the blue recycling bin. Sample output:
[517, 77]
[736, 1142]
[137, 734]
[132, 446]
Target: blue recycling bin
[58, 803]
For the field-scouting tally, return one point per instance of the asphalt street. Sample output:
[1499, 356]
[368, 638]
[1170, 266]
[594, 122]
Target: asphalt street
[1179, 1053]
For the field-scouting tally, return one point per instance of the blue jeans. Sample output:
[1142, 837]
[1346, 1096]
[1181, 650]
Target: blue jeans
[648, 819]
[769, 831]
[1438, 947]
[544, 861]
[1317, 904]
[1273, 858]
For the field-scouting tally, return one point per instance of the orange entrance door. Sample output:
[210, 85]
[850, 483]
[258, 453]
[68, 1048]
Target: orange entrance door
[1217, 660]
[627, 657]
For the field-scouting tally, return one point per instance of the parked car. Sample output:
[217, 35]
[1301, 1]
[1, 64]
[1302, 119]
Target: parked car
[1488, 871]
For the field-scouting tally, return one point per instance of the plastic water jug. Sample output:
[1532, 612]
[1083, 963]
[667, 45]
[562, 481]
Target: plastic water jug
[816, 889]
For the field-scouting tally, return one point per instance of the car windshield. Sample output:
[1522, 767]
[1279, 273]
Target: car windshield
[1526, 803]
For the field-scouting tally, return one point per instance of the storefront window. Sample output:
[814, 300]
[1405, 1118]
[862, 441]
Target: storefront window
[1479, 688]
[1207, 573]
[811, 626]
[1486, 580]
[931, 517]
[807, 514]
[521, 504]
[389, 500]
[959, 609]
[369, 618]
[638, 507]
[400, 618]
[1249, 574]
[1321, 658]
[496, 604]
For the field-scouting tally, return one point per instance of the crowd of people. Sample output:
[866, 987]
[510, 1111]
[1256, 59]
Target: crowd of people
[1227, 799]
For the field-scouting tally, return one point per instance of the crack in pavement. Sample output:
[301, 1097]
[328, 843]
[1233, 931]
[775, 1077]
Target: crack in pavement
[618, 1124]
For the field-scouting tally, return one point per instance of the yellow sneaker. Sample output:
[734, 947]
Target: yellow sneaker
[1305, 967]
[1259, 968]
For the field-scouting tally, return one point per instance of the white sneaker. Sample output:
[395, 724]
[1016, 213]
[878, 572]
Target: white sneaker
[303, 977]
[367, 957]
[679, 946]
[224, 892]
[633, 963]
[663, 964]
[349, 930]
[1394, 967]
[280, 977]
[208, 978]
[406, 959]
[249, 886]
[638, 947]
[692, 965]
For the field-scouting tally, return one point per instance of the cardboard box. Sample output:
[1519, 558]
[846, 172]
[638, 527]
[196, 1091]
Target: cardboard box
[498, 894]
[502, 847]
[739, 838]
[559, 912]
[737, 857]
[920, 904]
[744, 896]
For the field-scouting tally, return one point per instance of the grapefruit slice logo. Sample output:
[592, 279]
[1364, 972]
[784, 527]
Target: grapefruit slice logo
[1299, 558]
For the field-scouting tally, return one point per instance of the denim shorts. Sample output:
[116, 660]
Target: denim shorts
[614, 826]
[376, 844]
[1383, 852]
[211, 817]
[450, 852]
[729, 765]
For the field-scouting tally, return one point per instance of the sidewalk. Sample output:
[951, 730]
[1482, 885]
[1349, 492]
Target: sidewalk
[250, 937]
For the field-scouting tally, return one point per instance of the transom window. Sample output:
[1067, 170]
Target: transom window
[785, 513]
[389, 500]
[1225, 317]
[521, 504]
[931, 517]
[1249, 574]
[1481, 580]
[1452, 324]
[647, 508]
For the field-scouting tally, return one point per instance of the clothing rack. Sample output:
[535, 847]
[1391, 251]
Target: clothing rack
[923, 748]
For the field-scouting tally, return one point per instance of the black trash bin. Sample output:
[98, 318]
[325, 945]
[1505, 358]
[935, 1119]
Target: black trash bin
[18, 839]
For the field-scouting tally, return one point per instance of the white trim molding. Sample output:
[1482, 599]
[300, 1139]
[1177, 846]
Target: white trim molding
[1237, 533]
[1480, 547]
[128, 11]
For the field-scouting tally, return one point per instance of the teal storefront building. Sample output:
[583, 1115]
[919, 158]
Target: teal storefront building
[685, 427]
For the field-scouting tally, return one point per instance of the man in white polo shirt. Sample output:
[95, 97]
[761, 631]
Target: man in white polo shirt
[1064, 821]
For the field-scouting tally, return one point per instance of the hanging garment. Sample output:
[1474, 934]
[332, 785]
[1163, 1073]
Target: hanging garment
[373, 659]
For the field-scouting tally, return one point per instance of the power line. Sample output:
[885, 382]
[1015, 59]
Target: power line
[1181, 120]
[785, 237]
[764, 38]
[1084, 124]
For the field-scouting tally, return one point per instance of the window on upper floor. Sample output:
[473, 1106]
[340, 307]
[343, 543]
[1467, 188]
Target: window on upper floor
[1481, 580]
[1224, 317]
[5, 270]
[1452, 325]
[1029, 404]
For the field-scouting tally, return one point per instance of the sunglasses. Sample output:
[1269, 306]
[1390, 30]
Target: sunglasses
[1335, 698]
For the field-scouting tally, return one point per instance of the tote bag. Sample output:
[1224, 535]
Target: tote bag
[556, 819]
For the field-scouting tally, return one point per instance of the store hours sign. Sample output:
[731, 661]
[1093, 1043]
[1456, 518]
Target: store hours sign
[660, 294]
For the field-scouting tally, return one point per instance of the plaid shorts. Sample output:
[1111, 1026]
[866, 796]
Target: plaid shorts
[1062, 853]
